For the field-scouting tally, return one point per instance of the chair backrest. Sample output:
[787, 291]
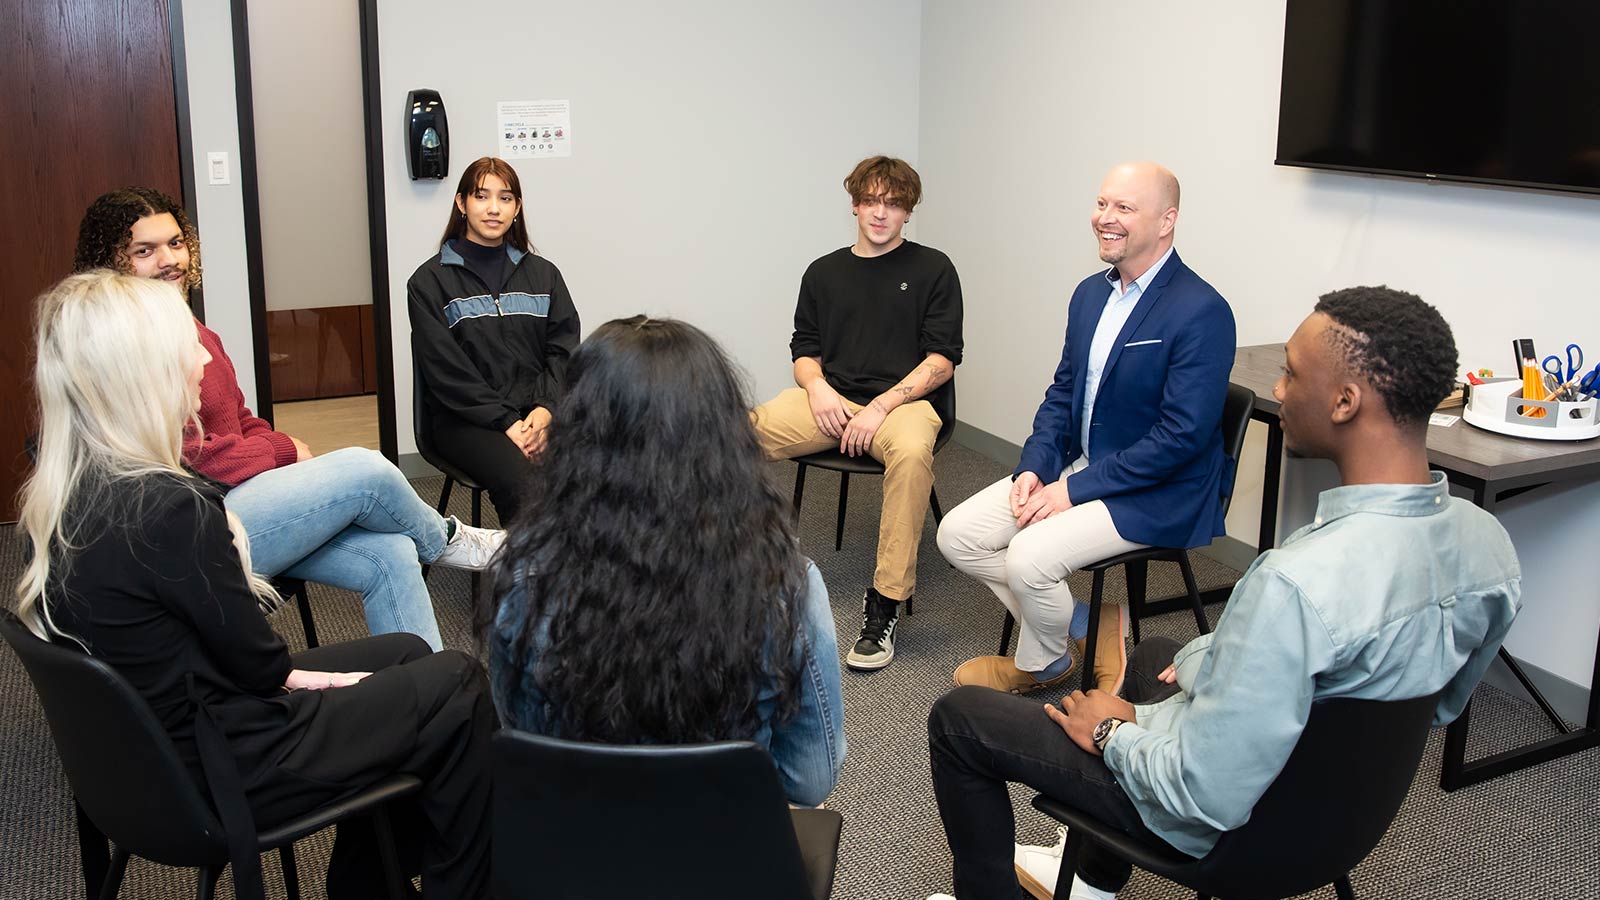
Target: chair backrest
[686, 821]
[1236, 409]
[123, 768]
[1330, 805]
[421, 419]
[947, 429]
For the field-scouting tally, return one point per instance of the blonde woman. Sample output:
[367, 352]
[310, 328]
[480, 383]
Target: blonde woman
[137, 562]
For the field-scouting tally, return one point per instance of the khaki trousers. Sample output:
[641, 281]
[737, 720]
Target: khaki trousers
[1027, 570]
[904, 444]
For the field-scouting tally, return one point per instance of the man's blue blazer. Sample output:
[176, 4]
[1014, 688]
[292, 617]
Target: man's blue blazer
[1156, 443]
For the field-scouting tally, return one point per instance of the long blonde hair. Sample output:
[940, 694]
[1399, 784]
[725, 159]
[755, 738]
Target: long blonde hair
[113, 357]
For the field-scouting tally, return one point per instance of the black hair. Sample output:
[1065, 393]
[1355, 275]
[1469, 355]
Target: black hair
[1400, 344]
[656, 548]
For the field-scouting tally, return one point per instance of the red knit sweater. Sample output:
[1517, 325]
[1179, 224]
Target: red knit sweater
[236, 445]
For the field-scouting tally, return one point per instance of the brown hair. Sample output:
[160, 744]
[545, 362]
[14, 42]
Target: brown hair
[107, 228]
[471, 180]
[890, 176]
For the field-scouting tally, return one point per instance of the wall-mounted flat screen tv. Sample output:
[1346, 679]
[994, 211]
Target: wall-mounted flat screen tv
[1492, 91]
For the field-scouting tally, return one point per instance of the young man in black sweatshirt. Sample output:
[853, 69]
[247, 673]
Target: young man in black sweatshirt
[877, 337]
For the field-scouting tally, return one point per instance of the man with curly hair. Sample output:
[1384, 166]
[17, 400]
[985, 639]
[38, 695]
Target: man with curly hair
[347, 519]
[1202, 730]
[877, 338]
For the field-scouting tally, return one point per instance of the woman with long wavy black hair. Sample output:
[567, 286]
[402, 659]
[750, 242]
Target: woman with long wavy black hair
[653, 592]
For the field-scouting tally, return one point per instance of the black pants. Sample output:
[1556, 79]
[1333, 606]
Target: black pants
[421, 713]
[487, 456]
[979, 739]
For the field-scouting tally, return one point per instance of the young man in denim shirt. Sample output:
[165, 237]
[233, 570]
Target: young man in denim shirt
[1204, 729]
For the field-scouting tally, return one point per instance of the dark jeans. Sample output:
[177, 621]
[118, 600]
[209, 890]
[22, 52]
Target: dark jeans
[979, 739]
[423, 713]
[486, 456]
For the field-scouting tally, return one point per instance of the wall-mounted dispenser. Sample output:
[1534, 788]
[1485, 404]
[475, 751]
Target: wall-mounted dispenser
[427, 135]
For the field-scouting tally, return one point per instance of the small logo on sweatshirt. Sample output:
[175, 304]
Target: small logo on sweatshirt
[904, 286]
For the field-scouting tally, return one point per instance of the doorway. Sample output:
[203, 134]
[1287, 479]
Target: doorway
[319, 314]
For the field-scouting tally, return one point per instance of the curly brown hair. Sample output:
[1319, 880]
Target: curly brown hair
[107, 226]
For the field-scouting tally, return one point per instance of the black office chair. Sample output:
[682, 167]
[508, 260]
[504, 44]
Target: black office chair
[131, 786]
[288, 587]
[1235, 423]
[422, 428]
[705, 820]
[865, 465]
[1323, 814]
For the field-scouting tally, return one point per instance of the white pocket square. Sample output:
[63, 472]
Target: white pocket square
[1140, 343]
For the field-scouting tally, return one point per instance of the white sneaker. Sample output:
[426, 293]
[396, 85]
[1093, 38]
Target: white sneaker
[1037, 867]
[1081, 891]
[471, 548]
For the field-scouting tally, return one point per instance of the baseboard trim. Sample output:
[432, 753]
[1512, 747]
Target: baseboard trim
[996, 448]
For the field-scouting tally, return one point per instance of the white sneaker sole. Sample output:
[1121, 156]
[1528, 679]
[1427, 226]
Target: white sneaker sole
[862, 664]
[1033, 886]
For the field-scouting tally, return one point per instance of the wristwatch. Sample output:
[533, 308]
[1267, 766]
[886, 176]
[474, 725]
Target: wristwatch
[1103, 732]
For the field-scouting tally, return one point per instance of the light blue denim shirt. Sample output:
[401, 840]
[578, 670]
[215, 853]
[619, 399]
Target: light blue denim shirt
[808, 749]
[1119, 306]
[1392, 592]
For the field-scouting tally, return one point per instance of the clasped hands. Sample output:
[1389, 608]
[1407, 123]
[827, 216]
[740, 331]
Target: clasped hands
[308, 680]
[1032, 503]
[855, 430]
[529, 433]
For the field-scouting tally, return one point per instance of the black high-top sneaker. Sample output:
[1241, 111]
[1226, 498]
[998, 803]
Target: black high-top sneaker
[875, 648]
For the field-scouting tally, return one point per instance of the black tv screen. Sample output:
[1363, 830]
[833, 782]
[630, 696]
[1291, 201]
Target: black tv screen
[1494, 91]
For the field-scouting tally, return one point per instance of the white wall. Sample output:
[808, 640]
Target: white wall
[311, 152]
[1025, 105]
[219, 209]
[709, 145]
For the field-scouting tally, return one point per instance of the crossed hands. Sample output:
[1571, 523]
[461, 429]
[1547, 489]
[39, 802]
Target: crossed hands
[1032, 503]
[529, 433]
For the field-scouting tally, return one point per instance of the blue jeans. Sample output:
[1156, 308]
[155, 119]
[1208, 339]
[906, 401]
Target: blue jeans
[809, 748]
[351, 520]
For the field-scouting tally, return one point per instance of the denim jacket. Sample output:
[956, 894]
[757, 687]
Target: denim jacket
[1392, 592]
[808, 749]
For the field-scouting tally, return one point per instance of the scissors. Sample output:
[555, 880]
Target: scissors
[1574, 364]
[1590, 385]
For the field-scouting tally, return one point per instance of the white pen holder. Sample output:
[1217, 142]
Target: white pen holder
[1495, 403]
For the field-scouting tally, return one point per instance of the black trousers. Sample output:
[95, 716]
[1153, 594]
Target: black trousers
[487, 456]
[421, 713]
[979, 739]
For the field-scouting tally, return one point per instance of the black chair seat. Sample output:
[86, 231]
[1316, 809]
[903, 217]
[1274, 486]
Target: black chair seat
[358, 804]
[817, 831]
[1143, 554]
[834, 461]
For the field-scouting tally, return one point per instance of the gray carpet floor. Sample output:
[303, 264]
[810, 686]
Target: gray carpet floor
[1532, 834]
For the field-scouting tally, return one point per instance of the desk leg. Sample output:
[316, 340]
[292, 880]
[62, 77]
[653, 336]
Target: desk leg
[1268, 537]
[1457, 773]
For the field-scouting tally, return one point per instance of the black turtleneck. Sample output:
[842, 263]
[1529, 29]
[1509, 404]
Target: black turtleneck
[488, 263]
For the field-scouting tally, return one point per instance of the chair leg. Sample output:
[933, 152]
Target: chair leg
[113, 882]
[398, 886]
[1138, 576]
[291, 875]
[1193, 588]
[1341, 886]
[477, 509]
[1094, 630]
[933, 501]
[92, 853]
[302, 599]
[444, 504]
[844, 497]
[1069, 863]
[1005, 634]
[799, 488]
[208, 883]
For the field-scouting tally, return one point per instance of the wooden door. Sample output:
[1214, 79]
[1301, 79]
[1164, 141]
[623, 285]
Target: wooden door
[87, 104]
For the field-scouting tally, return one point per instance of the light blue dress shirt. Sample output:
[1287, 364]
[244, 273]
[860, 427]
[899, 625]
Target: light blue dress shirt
[1119, 306]
[1393, 591]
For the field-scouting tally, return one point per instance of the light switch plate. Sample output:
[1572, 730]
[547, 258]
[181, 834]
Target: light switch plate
[217, 167]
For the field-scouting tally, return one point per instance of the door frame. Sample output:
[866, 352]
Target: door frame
[377, 218]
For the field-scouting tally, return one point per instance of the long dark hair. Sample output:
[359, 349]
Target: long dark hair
[655, 546]
[471, 180]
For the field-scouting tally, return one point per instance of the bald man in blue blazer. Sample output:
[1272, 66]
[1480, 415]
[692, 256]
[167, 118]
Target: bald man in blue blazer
[1126, 449]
